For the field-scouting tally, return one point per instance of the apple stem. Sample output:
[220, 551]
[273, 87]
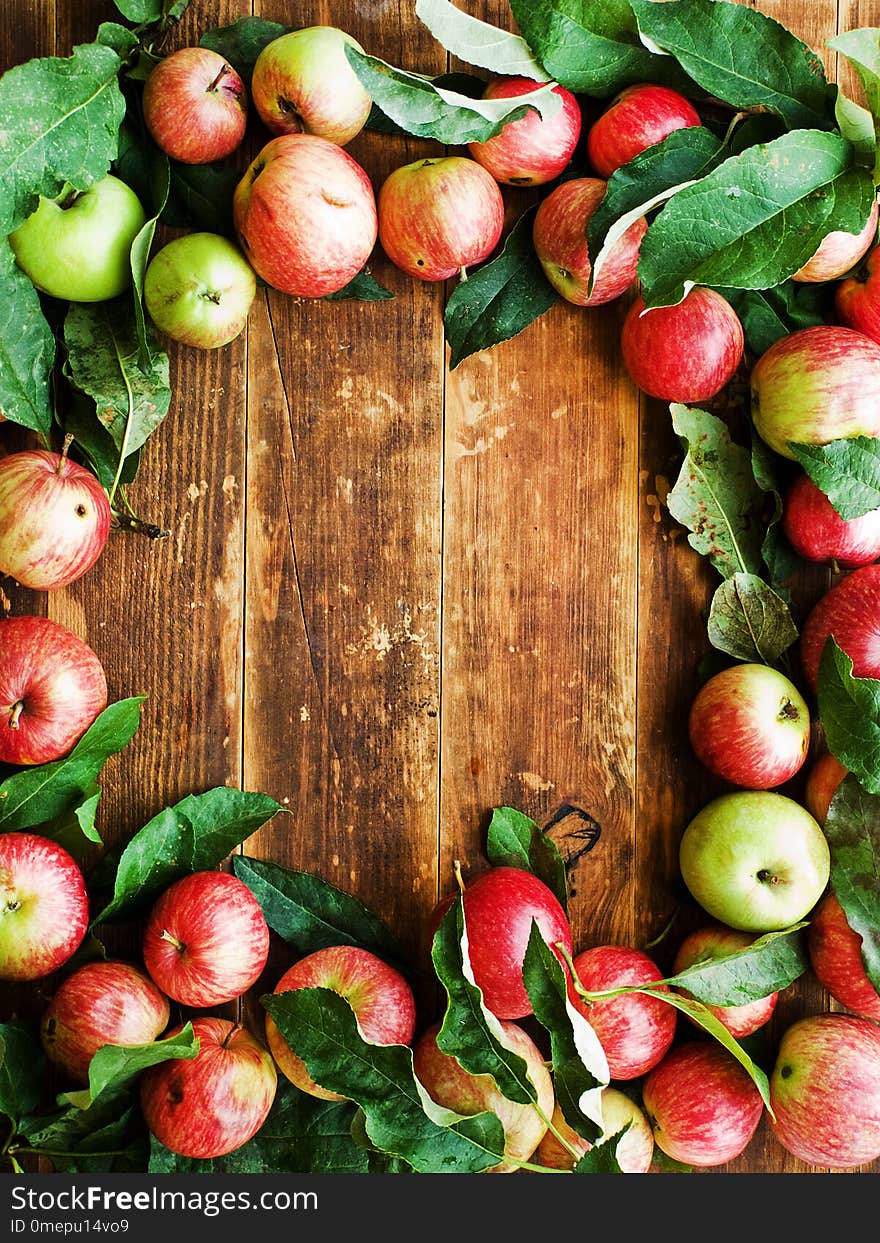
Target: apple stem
[456, 867]
[129, 522]
[172, 940]
[65, 449]
[15, 714]
[220, 75]
[224, 1043]
[463, 273]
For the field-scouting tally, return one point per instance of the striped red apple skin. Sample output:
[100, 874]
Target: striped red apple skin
[686, 352]
[851, 613]
[531, 151]
[836, 959]
[44, 906]
[636, 119]
[857, 299]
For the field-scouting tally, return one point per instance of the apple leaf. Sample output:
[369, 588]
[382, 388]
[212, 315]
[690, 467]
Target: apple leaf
[777, 554]
[27, 350]
[23, 1073]
[122, 40]
[750, 621]
[768, 965]
[59, 124]
[361, 288]
[849, 709]
[856, 125]
[35, 796]
[74, 829]
[110, 1135]
[195, 835]
[140, 11]
[847, 471]
[669, 1165]
[862, 49]
[241, 42]
[399, 1117]
[478, 43]
[741, 56]
[311, 914]
[94, 443]
[201, 197]
[602, 1158]
[580, 1068]
[516, 841]
[715, 495]
[852, 828]
[757, 218]
[115, 1067]
[767, 315]
[463, 83]
[500, 299]
[160, 186]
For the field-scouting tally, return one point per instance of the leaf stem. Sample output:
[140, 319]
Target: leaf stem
[53, 1152]
[555, 1132]
[123, 454]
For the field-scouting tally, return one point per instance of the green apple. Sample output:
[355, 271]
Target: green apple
[199, 289]
[755, 860]
[77, 246]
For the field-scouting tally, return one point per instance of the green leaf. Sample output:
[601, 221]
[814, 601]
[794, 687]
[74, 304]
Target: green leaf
[160, 187]
[856, 125]
[849, 709]
[669, 1165]
[847, 471]
[59, 124]
[241, 43]
[400, 1118]
[516, 841]
[122, 40]
[37, 795]
[477, 42]
[716, 496]
[195, 835]
[464, 83]
[311, 914]
[500, 299]
[95, 442]
[23, 1074]
[115, 1067]
[363, 288]
[428, 111]
[74, 829]
[201, 197]
[602, 1158]
[777, 554]
[140, 11]
[71, 1138]
[862, 49]
[768, 965]
[750, 621]
[757, 218]
[767, 315]
[852, 828]
[27, 350]
[741, 56]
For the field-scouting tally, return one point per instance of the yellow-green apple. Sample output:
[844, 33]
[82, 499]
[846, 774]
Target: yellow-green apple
[54, 519]
[634, 1029]
[452, 1087]
[304, 84]
[380, 997]
[636, 119]
[206, 940]
[751, 726]
[857, 299]
[851, 613]
[712, 942]
[822, 781]
[101, 1003]
[195, 106]
[77, 246]
[52, 687]
[199, 289]
[440, 215]
[838, 252]
[213, 1103]
[816, 385]
[530, 151]
[817, 532]
[755, 860]
[836, 959]
[560, 237]
[825, 1091]
[702, 1105]
[305, 215]
[634, 1149]
[44, 907]
[686, 352]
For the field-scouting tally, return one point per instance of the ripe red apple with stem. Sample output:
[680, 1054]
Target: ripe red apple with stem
[531, 151]
[101, 1003]
[44, 906]
[305, 215]
[634, 1149]
[686, 352]
[822, 782]
[206, 940]
[857, 299]
[439, 216]
[636, 119]
[836, 958]
[838, 252]
[751, 726]
[52, 687]
[195, 106]
[213, 1103]
[560, 237]
[851, 613]
[817, 532]
[712, 942]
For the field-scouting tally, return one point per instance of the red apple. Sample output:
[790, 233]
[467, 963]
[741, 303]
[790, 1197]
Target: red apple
[439, 216]
[54, 519]
[531, 151]
[634, 1150]
[452, 1087]
[716, 941]
[838, 252]
[195, 106]
[851, 613]
[305, 215]
[857, 299]
[816, 530]
[44, 907]
[213, 1103]
[836, 958]
[750, 725]
[686, 352]
[560, 237]
[102, 1003]
[702, 1105]
[636, 119]
[380, 997]
[635, 1030]
[52, 687]
[825, 1091]
[822, 782]
[206, 940]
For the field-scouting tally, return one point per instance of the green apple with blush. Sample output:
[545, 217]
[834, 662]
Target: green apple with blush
[198, 290]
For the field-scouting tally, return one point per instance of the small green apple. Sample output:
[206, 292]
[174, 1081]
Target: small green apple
[199, 289]
[77, 246]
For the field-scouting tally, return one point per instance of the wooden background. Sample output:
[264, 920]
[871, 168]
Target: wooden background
[394, 597]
